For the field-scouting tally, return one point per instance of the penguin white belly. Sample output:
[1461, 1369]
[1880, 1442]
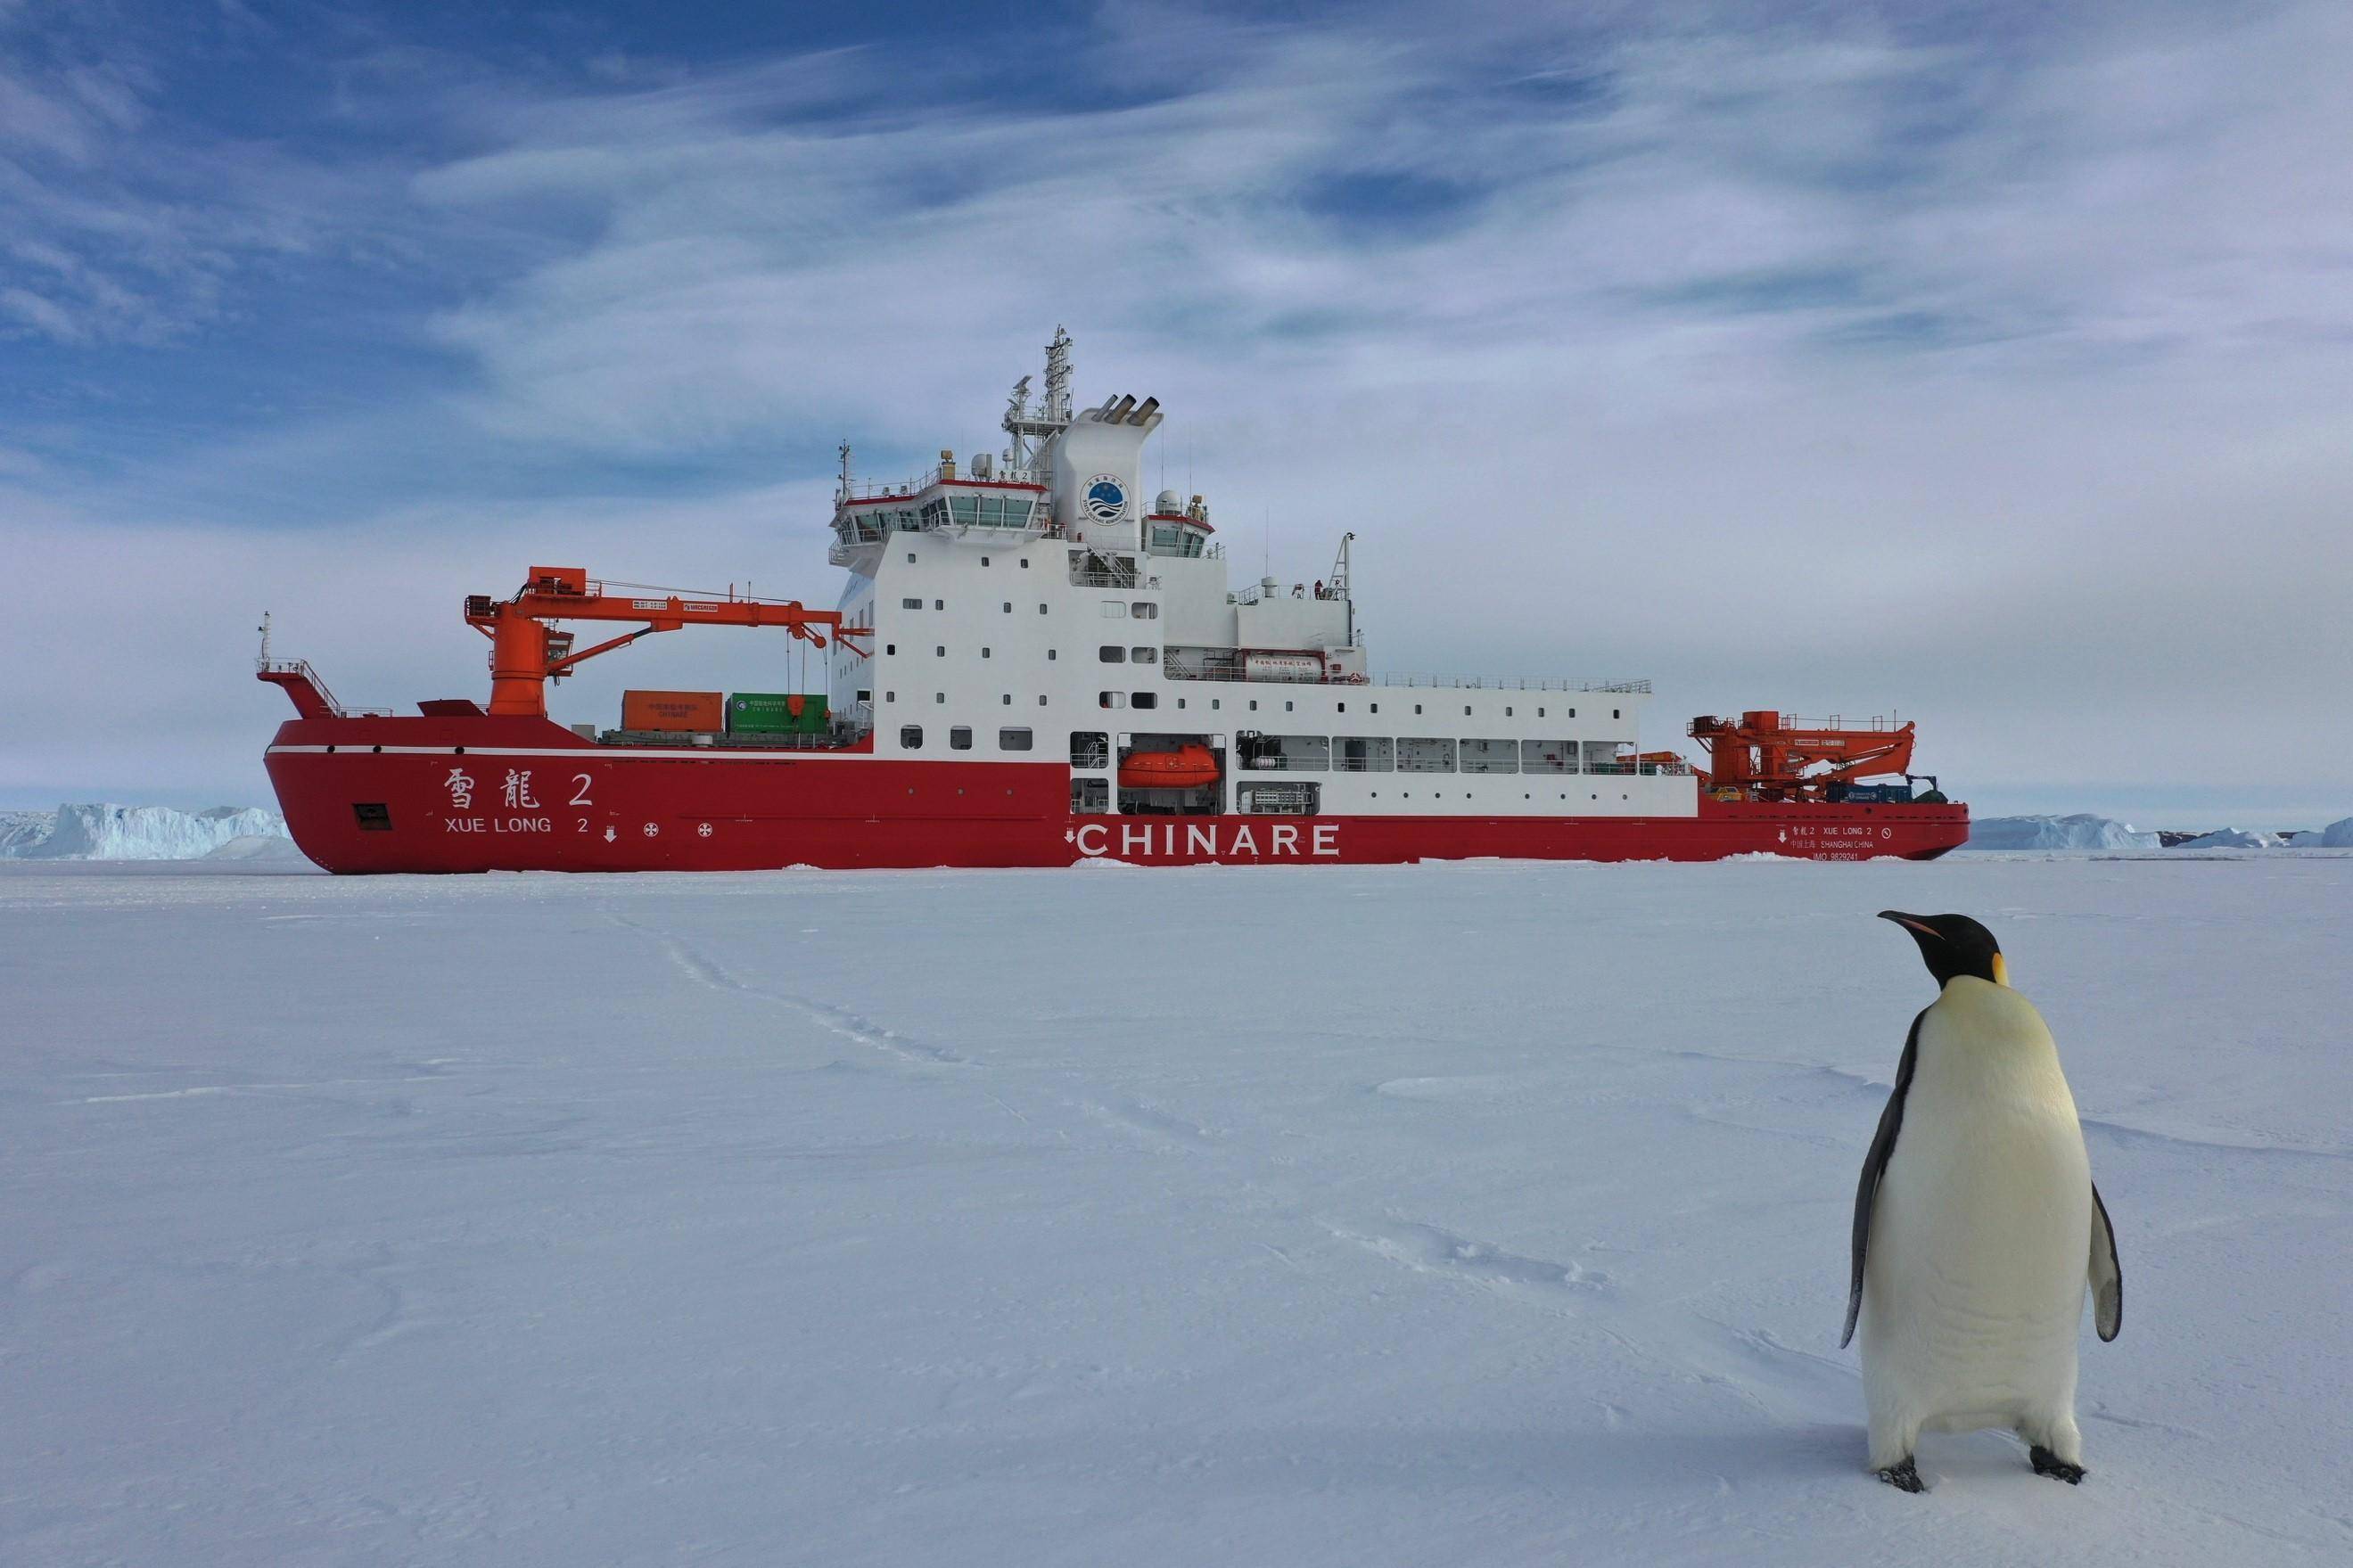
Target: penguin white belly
[1974, 1282]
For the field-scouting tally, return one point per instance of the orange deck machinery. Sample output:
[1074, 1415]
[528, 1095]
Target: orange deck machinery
[1767, 755]
[526, 653]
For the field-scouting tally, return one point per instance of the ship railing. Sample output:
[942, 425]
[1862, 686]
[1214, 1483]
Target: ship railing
[300, 670]
[1219, 669]
[1509, 683]
[874, 490]
[1086, 579]
[676, 739]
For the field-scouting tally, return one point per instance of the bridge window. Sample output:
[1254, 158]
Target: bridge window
[1013, 740]
[911, 737]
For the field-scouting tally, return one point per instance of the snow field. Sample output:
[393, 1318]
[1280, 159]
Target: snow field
[1418, 1215]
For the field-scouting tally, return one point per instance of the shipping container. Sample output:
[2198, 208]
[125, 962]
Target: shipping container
[700, 711]
[777, 713]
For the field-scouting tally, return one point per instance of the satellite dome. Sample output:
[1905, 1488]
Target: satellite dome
[1168, 503]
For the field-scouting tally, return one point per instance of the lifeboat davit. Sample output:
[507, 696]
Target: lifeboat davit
[1186, 767]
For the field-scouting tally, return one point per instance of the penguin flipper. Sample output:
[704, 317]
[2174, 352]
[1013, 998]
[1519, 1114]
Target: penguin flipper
[1874, 1166]
[2108, 1274]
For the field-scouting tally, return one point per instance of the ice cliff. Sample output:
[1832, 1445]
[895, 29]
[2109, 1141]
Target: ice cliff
[104, 832]
[2081, 831]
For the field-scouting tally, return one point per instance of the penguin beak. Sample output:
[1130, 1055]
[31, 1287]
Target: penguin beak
[1913, 923]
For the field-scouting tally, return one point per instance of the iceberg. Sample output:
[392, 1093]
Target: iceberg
[2338, 835]
[2233, 838]
[107, 831]
[2079, 831]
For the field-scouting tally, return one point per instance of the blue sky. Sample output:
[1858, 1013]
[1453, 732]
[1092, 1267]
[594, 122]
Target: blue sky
[1985, 361]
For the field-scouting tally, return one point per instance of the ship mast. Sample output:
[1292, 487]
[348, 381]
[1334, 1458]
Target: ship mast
[1030, 430]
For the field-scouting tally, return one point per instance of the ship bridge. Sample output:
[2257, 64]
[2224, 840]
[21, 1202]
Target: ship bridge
[980, 501]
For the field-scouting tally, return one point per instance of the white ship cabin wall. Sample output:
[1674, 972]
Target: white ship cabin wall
[1100, 638]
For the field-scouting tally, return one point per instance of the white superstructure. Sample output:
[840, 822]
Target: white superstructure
[1025, 604]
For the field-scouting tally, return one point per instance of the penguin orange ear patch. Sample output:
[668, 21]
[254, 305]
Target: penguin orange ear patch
[2001, 970]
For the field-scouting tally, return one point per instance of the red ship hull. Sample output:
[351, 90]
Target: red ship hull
[482, 793]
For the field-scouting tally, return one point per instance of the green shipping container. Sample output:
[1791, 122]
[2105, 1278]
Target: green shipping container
[771, 713]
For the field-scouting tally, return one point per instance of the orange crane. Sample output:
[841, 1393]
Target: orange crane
[526, 653]
[1765, 755]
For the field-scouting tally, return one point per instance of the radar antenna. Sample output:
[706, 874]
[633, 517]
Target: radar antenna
[1017, 420]
[843, 493]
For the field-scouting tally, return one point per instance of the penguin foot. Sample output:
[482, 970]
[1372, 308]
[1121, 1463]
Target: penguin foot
[2047, 1463]
[1904, 1475]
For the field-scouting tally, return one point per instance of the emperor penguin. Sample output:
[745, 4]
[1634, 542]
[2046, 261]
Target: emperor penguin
[1976, 1227]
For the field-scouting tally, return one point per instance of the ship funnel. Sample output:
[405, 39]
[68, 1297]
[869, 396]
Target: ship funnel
[1117, 412]
[1142, 415]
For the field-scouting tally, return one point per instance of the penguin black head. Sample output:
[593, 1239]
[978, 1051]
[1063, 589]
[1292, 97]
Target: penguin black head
[1954, 945]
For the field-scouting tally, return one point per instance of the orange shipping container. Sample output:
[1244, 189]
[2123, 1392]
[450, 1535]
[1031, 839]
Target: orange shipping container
[703, 710]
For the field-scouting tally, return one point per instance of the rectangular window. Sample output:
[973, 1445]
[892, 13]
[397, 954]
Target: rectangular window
[1111, 699]
[1143, 655]
[911, 604]
[373, 815]
[1143, 612]
[960, 738]
[1286, 799]
[1115, 609]
[911, 737]
[1013, 740]
[1547, 756]
[1491, 756]
[1362, 754]
[942, 604]
[1112, 652]
[1145, 699]
[1417, 755]
[1293, 753]
[1090, 797]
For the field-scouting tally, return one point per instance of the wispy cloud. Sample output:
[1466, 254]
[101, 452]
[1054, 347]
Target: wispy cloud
[1916, 357]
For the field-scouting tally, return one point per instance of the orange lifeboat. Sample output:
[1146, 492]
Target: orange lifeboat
[1186, 767]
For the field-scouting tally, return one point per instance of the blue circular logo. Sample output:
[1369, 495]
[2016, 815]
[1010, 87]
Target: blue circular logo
[1106, 499]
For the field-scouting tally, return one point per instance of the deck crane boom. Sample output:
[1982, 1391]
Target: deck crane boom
[526, 653]
[1766, 755]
